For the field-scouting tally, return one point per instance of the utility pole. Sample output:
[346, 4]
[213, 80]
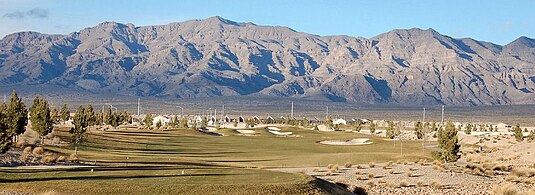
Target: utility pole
[424, 129]
[442, 123]
[138, 103]
[326, 112]
[292, 112]
[5, 98]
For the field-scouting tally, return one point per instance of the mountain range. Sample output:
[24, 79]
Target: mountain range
[219, 57]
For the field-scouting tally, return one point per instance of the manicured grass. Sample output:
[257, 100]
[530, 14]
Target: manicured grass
[151, 162]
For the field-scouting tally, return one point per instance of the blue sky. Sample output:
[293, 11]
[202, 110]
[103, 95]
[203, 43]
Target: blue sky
[496, 21]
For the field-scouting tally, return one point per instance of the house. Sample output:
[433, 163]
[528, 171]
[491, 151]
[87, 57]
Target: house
[241, 119]
[339, 121]
[256, 119]
[227, 119]
[270, 120]
[164, 120]
[503, 127]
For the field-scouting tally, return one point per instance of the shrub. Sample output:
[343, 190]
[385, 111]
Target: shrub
[73, 157]
[27, 150]
[24, 156]
[371, 164]
[360, 167]
[410, 174]
[348, 165]
[20, 144]
[357, 172]
[38, 151]
[329, 173]
[61, 159]
[507, 189]
[522, 172]
[371, 175]
[420, 183]
[49, 157]
[371, 183]
[335, 168]
[330, 166]
[392, 172]
[403, 184]
[381, 180]
[489, 172]
[436, 184]
[359, 191]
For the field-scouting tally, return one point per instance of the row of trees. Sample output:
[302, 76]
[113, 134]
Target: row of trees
[13, 121]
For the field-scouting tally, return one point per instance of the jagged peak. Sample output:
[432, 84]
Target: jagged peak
[220, 20]
[523, 41]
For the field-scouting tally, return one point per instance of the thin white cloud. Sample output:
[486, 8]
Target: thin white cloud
[33, 13]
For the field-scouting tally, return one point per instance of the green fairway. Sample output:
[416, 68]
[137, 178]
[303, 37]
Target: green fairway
[147, 162]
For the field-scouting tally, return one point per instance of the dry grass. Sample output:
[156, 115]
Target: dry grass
[381, 180]
[420, 184]
[522, 172]
[410, 174]
[371, 183]
[330, 166]
[371, 175]
[357, 172]
[371, 164]
[38, 150]
[348, 165]
[360, 167]
[392, 172]
[335, 169]
[329, 173]
[436, 184]
[507, 189]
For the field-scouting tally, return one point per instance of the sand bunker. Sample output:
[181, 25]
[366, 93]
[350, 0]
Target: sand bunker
[273, 129]
[353, 142]
[246, 131]
[280, 133]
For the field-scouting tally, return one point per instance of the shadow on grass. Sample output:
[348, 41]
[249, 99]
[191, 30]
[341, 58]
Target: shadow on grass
[123, 168]
[106, 177]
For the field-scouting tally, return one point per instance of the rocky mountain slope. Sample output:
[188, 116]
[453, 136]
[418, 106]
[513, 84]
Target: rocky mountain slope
[218, 57]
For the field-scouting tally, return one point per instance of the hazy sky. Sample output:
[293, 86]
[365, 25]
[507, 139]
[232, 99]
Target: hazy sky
[488, 20]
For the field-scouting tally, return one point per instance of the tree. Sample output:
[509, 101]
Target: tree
[54, 115]
[357, 126]
[5, 138]
[81, 123]
[158, 124]
[65, 114]
[204, 122]
[329, 122]
[148, 120]
[390, 130]
[305, 123]
[448, 143]
[90, 115]
[518, 133]
[107, 116]
[372, 126]
[419, 130]
[468, 129]
[184, 123]
[40, 117]
[16, 116]
[250, 122]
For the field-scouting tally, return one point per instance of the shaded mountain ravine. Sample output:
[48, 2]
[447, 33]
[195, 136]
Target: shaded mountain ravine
[218, 57]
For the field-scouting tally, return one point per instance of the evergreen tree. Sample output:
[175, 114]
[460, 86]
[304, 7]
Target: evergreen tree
[419, 130]
[107, 116]
[90, 115]
[148, 121]
[448, 143]
[158, 124]
[390, 130]
[184, 123]
[16, 116]
[81, 123]
[5, 137]
[204, 122]
[40, 117]
[65, 114]
[55, 116]
[518, 133]
[468, 129]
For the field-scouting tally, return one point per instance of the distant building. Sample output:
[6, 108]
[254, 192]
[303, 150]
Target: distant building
[162, 119]
[339, 121]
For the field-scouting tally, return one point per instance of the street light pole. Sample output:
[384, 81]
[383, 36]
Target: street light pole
[182, 111]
